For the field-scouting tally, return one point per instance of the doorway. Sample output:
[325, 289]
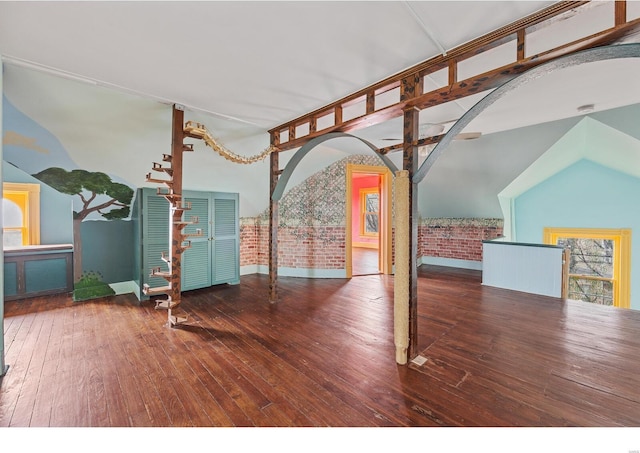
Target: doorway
[368, 226]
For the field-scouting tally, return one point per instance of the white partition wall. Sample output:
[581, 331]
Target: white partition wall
[3, 367]
[530, 268]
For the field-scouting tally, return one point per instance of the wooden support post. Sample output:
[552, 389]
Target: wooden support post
[401, 279]
[411, 87]
[177, 138]
[520, 47]
[566, 260]
[371, 103]
[620, 12]
[337, 112]
[273, 224]
[453, 71]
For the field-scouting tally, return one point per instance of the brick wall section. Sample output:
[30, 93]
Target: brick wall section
[456, 238]
[307, 247]
[323, 247]
[315, 247]
[249, 243]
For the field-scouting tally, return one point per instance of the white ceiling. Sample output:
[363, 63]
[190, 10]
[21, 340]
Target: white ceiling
[244, 67]
[260, 62]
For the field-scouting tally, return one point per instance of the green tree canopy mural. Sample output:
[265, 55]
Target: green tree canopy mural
[79, 182]
[98, 194]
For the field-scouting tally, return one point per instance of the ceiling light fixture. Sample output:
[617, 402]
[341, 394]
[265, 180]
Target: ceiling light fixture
[586, 108]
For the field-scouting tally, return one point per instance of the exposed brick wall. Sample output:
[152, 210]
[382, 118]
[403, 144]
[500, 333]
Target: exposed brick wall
[312, 247]
[308, 247]
[249, 242]
[323, 247]
[456, 238]
[312, 235]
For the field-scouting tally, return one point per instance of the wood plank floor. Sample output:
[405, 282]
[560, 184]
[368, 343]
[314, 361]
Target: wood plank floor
[364, 261]
[322, 356]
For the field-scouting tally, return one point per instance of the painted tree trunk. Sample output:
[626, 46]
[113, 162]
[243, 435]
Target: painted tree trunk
[77, 250]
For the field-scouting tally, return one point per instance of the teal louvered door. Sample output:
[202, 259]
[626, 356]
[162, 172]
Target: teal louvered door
[213, 257]
[196, 267]
[155, 238]
[226, 239]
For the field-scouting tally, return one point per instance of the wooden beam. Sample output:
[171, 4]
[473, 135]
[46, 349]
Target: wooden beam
[470, 86]
[422, 142]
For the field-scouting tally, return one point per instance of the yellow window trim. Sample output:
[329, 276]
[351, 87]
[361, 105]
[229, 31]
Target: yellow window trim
[33, 214]
[621, 251]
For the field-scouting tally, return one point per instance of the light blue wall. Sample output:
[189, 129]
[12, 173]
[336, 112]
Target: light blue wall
[107, 249]
[56, 209]
[584, 195]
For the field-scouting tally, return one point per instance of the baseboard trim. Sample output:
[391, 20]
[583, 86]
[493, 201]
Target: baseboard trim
[451, 262]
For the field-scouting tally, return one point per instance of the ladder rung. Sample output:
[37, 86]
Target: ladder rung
[165, 304]
[159, 167]
[147, 290]
[159, 181]
[177, 318]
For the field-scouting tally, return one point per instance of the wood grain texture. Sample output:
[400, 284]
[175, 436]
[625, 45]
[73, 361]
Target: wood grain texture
[322, 356]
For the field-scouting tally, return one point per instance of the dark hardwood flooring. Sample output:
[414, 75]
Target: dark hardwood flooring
[364, 261]
[322, 356]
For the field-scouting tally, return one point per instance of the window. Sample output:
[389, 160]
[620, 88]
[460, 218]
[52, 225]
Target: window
[599, 263]
[369, 211]
[20, 214]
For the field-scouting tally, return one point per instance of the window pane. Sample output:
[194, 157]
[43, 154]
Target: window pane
[12, 238]
[372, 202]
[592, 257]
[11, 214]
[588, 290]
[371, 223]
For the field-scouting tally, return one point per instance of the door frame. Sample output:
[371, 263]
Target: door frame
[385, 237]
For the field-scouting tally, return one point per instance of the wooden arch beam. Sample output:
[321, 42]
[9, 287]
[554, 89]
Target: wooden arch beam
[303, 151]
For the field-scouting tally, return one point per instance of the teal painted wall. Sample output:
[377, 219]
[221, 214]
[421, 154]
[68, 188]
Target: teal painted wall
[107, 249]
[56, 209]
[584, 195]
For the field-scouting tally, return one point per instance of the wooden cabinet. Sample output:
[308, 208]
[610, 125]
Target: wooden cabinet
[213, 257]
[38, 270]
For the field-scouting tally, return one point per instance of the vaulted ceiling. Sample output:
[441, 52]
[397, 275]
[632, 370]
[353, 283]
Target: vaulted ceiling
[101, 76]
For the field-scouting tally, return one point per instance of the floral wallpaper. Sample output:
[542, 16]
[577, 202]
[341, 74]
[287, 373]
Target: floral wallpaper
[320, 199]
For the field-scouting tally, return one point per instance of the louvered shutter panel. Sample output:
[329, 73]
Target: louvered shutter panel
[196, 261]
[155, 237]
[226, 243]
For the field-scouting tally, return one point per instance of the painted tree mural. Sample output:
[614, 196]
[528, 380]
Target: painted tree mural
[98, 194]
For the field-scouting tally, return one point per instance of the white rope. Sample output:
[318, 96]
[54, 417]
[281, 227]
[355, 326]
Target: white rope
[200, 130]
